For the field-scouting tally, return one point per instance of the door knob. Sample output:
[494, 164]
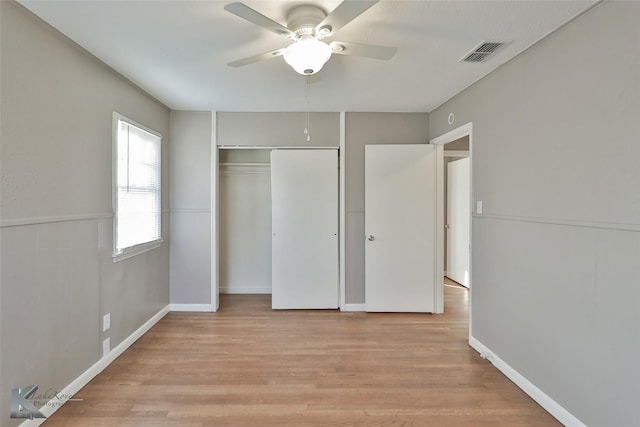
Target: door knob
[370, 238]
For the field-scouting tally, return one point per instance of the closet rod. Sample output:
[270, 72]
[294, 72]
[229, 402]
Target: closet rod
[282, 147]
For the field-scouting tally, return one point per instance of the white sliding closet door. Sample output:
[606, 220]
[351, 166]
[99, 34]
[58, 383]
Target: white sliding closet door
[304, 208]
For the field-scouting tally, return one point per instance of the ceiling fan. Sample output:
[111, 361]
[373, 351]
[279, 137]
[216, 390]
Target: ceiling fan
[307, 26]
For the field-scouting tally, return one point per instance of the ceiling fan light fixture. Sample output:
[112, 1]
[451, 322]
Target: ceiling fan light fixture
[325, 30]
[307, 56]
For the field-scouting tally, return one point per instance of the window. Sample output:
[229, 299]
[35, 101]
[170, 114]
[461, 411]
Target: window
[136, 188]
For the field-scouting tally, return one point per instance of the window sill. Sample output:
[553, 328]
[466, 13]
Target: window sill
[137, 250]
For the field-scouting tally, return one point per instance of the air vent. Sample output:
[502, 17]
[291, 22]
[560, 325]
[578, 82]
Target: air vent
[482, 52]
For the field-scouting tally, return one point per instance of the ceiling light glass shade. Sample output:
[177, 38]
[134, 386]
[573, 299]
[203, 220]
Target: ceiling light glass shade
[307, 56]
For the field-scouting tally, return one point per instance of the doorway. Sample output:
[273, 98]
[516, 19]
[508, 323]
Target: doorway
[461, 137]
[457, 207]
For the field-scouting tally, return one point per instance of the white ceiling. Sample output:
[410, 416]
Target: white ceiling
[178, 50]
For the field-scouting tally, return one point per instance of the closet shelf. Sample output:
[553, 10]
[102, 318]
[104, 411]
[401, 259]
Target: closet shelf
[245, 164]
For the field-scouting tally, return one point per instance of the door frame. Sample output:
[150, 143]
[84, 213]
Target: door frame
[215, 192]
[440, 141]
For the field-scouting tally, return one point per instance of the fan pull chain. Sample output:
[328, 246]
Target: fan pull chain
[306, 126]
[306, 132]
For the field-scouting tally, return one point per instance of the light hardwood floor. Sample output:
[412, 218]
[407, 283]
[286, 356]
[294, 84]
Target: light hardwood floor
[250, 366]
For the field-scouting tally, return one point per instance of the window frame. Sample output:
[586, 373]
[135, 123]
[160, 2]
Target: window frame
[128, 252]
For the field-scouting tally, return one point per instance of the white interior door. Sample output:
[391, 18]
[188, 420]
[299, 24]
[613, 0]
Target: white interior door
[458, 216]
[400, 217]
[304, 200]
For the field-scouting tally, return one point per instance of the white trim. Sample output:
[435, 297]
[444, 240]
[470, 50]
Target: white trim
[438, 297]
[215, 291]
[550, 405]
[244, 168]
[242, 147]
[242, 290]
[190, 307]
[438, 302]
[454, 134]
[456, 153]
[353, 307]
[190, 210]
[117, 116]
[245, 164]
[343, 208]
[17, 222]
[132, 251]
[565, 222]
[457, 133]
[84, 378]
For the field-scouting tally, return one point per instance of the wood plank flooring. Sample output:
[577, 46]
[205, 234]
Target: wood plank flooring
[250, 366]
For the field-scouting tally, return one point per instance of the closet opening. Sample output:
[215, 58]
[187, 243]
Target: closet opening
[278, 224]
[244, 209]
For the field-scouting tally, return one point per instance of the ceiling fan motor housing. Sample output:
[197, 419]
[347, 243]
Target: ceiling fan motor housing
[307, 26]
[304, 19]
[308, 54]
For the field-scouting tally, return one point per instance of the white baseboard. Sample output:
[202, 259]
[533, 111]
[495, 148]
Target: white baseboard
[244, 290]
[84, 378]
[353, 307]
[190, 307]
[550, 405]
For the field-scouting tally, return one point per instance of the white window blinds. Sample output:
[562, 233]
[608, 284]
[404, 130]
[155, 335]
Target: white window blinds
[137, 204]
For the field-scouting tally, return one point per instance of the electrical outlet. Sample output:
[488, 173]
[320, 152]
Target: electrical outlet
[479, 207]
[106, 322]
[106, 346]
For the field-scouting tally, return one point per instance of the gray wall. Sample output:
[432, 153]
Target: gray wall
[191, 146]
[273, 129]
[191, 133]
[277, 129]
[556, 255]
[191, 207]
[361, 129]
[57, 275]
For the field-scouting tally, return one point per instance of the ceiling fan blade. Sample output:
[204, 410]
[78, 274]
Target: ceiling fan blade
[245, 12]
[256, 58]
[346, 12]
[366, 50]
